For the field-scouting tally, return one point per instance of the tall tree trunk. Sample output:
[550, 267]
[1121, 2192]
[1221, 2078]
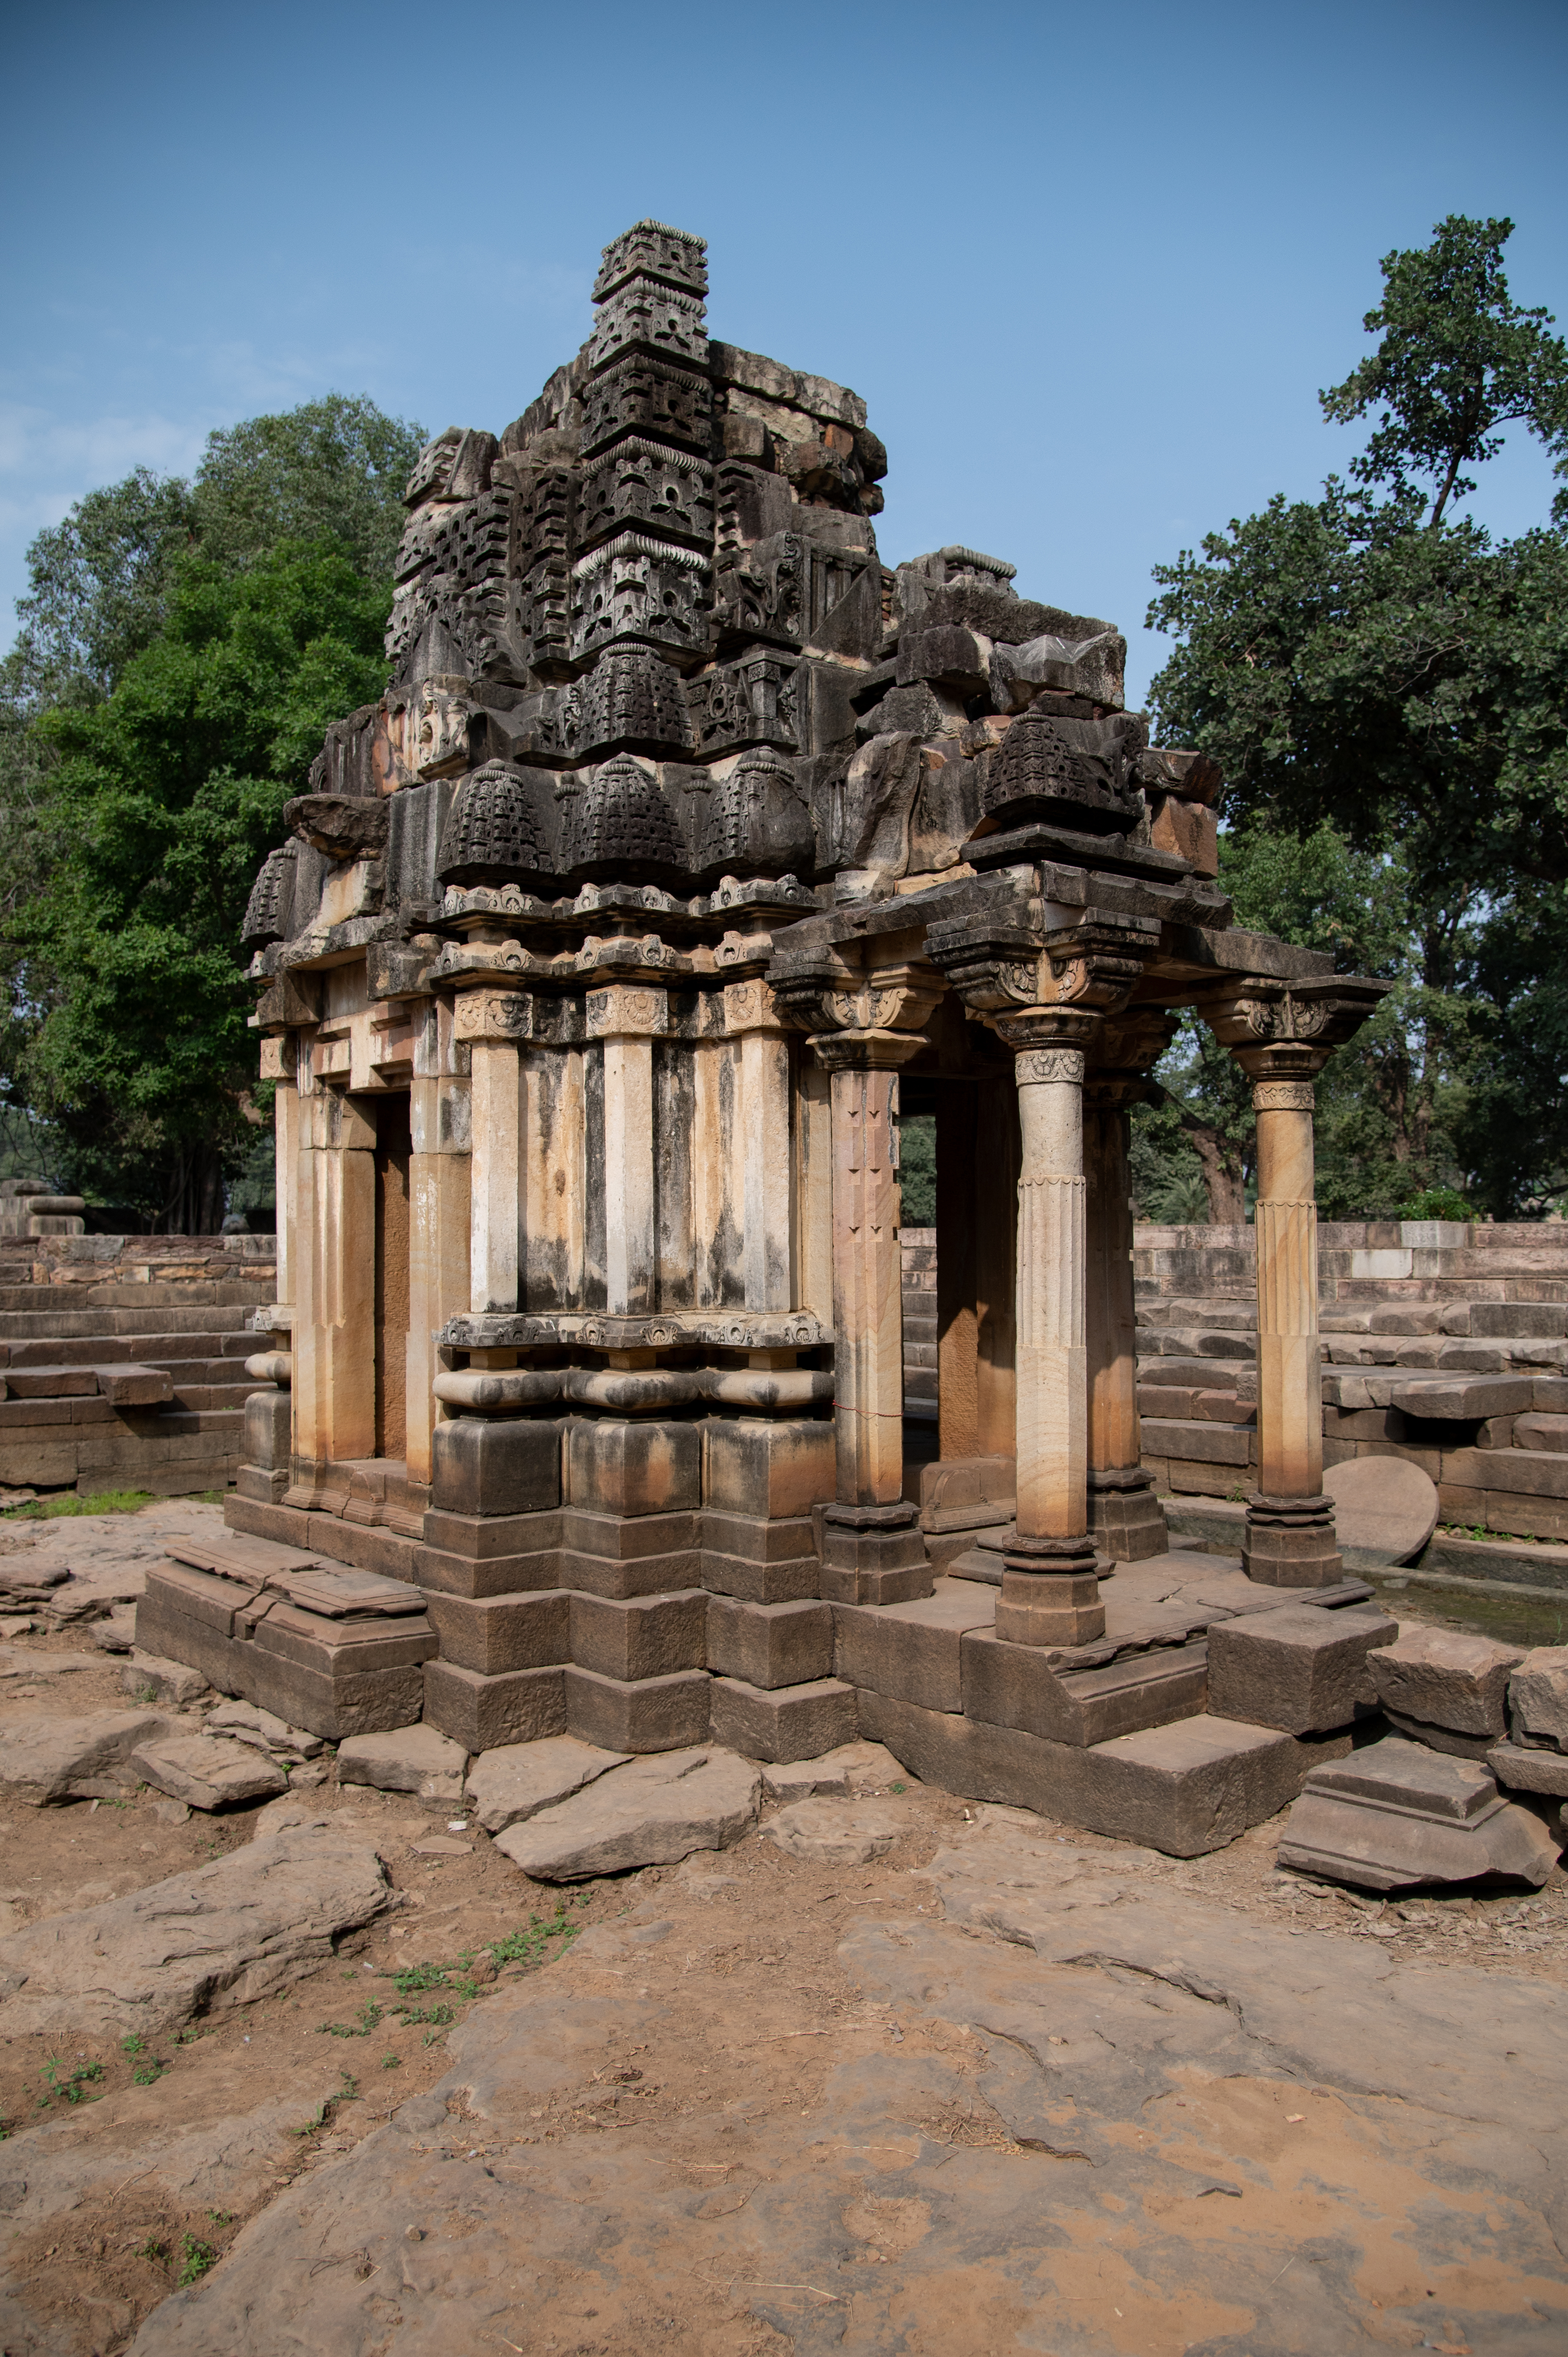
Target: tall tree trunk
[1223, 1173]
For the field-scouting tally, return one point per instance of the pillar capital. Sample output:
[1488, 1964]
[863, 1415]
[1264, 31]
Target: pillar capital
[874, 1051]
[1286, 1030]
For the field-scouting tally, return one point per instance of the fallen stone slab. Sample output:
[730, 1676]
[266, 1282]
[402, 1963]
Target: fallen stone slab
[77, 1759]
[207, 1772]
[117, 1633]
[654, 1812]
[150, 1679]
[1525, 1768]
[244, 1722]
[516, 1781]
[417, 1759]
[220, 1935]
[834, 1832]
[1538, 1697]
[1299, 1668]
[1443, 1678]
[1385, 1509]
[19, 1661]
[1398, 1814]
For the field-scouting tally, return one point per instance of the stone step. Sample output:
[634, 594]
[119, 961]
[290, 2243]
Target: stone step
[1198, 1374]
[1195, 1342]
[1196, 1443]
[1211, 1311]
[28, 1325]
[1186, 1404]
[185, 1352]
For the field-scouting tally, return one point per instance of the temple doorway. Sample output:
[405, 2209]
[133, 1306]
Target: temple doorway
[394, 1148]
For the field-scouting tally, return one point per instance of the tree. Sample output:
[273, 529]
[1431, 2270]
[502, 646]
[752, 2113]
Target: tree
[1457, 359]
[182, 648]
[1391, 687]
[169, 794]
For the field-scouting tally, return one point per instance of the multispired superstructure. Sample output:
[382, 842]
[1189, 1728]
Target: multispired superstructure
[687, 836]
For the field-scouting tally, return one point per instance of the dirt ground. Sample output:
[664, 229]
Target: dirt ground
[163, 2155]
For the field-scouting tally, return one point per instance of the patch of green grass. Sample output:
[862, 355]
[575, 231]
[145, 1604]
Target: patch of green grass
[107, 1502]
[147, 2074]
[409, 1977]
[441, 2015]
[389, 2062]
[151, 2249]
[221, 2217]
[351, 2092]
[195, 2258]
[131, 2045]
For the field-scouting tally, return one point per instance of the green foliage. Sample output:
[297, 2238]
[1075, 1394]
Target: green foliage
[1387, 695]
[195, 2258]
[182, 650]
[1436, 1203]
[1457, 359]
[530, 1944]
[105, 1502]
[70, 2087]
[917, 1169]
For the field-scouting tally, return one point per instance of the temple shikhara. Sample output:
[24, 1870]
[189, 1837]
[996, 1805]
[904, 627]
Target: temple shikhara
[690, 844]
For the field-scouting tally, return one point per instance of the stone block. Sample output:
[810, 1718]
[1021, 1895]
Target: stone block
[493, 1634]
[1385, 1509]
[786, 1723]
[151, 1677]
[617, 1467]
[267, 1433]
[479, 1713]
[830, 1832]
[1443, 1678]
[1525, 1770]
[1188, 829]
[649, 1813]
[1299, 1668]
[912, 1650]
[1397, 1814]
[770, 1645]
[513, 1783]
[1538, 1698]
[1015, 1685]
[205, 1771]
[1182, 1789]
[793, 1580]
[638, 1637]
[658, 1714]
[768, 1470]
[418, 1760]
[466, 1556]
[495, 1465]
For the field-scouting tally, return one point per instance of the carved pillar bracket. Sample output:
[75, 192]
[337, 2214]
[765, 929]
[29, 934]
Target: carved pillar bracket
[873, 1552]
[1282, 1033]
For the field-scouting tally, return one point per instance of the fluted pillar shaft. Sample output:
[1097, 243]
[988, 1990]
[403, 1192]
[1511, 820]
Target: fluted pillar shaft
[1125, 1515]
[1290, 1539]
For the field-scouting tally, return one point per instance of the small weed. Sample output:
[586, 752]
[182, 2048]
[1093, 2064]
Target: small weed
[133, 2045]
[529, 1945]
[430, 2035]
[72, 2088]
[195, 2258]
[317, 2120]
[340, 2029]
[147, 2074]
[350, 2093]
[370, 2015]
[4, 2131]
[146, 1693]
[898, 1788]
[156, 2251]
[186, 2036]
[221, 2217]
[441, 2015]
[389, 2062]
[409, 1977]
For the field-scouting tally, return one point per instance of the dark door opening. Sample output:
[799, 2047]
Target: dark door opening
[394, 1148]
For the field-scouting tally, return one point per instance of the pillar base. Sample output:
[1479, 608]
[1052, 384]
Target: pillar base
[1050, 1593]
[1290, 1542]
[874, 1555]
[1126, 1518]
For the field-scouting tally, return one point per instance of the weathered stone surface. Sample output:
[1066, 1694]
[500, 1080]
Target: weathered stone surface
[417, 1760]
[243, 1722]
[1440, 1677]
[1526, 1770]
[77, 1759]
[205, 1771]
[1385, 1509]
[835, 1832]
[783, 1722]
[220, 1935]
[506, 1786]
[652, 1812]
[148, 1679]
[662, 1714]
[1397, 1814]
[1300, 1669]
[1538, 1698]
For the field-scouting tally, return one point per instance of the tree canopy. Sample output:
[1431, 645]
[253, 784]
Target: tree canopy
[182, 650]
[1386, 687]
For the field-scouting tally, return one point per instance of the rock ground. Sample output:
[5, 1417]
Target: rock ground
[765, 2103]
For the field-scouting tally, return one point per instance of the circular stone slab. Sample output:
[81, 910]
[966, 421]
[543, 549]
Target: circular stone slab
[1385, 1508]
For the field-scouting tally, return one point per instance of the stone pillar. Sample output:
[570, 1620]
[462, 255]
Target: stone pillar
[768, 1170]
[977, 1199]
[1050, 1594]
[491, 1022]
[1290, 1540]
[1125, 1515]
[872, 1549]
[628, 1021]
[439, 1274]
[334, 1339]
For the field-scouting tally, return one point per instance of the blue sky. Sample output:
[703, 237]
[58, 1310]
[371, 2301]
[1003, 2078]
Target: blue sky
[1089, 267]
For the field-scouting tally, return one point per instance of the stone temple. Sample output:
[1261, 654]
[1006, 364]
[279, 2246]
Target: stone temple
[689, 842]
